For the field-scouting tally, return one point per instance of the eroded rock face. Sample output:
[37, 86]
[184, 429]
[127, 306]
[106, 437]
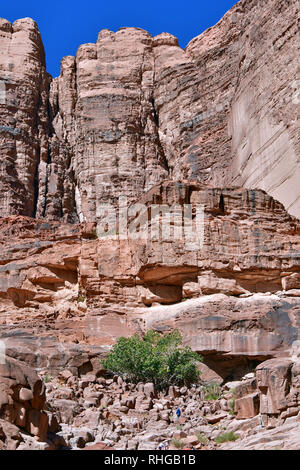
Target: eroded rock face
[22, 401]
[234, 335]
[252, 97]
[24, 120]
[137, 117]
[108, 119]
[35, 169]
[131, 110]
[67, 295]
[264, 115]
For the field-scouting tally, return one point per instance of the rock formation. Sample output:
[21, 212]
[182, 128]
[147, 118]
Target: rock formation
[131, 111]
[24, 120]
[134, 119]
[22, 399]
[59, 282]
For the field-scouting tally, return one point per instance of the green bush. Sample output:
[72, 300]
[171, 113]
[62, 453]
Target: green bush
[232, 403]
[156, 358]
[212, 392]
[226, 437]
[178, 443]
[81, 298]
[202, 438]
[232, 407]
[47, 378]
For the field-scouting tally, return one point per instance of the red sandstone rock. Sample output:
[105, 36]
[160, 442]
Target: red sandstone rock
[69, 295]
[273, 381]
[50, 270]
[247, 407]
[22, 398]
[130, 111]
[138, 117]
[98, 446]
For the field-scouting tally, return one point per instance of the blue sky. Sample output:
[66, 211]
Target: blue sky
[65, 25]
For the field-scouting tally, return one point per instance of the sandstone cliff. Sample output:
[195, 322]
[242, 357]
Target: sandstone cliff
[136, 116]
[136, 119]
[131, 111]
[67, 295]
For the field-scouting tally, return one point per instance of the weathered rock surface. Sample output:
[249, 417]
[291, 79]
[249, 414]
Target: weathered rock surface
[95, 412]
[283, 437]
[22, 402]
[131, 110]
[60, 284]
[251, 99]
[137, 118]
[24, 120]
[232, 334]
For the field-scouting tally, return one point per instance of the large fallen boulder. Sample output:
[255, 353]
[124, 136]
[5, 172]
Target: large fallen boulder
[22, 402]
[274, 382]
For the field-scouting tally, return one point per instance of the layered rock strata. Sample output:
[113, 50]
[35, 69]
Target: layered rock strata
[199, 138]
[137, 118]
[131, 110]
[235, 298]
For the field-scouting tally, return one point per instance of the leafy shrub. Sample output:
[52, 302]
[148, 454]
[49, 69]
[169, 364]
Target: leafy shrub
[201, 438]
[81, 298]
[226, 437]
[156, 358]
[178, 443]
[212, 391]
[232, 407]
[47, 378]
[232, 403]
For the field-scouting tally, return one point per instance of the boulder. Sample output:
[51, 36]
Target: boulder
[274, 381]
[149, 390]
[22, 400]
[248, 406]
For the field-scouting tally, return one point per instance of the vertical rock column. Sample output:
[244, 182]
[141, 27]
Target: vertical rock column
[23, 116]
[111, 129]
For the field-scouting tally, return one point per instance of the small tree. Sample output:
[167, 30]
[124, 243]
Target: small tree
[156, 358]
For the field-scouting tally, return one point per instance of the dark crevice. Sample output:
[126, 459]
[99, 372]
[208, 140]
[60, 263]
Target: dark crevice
[48, 161]
[61, 205]
[222, 204]
[51, 115]
[232, 367]
[163, 159]
[48, 156]
[155, 115]
[46, 192]
[61, 209]
[161, 154]
[36, 183]
[69, 161]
